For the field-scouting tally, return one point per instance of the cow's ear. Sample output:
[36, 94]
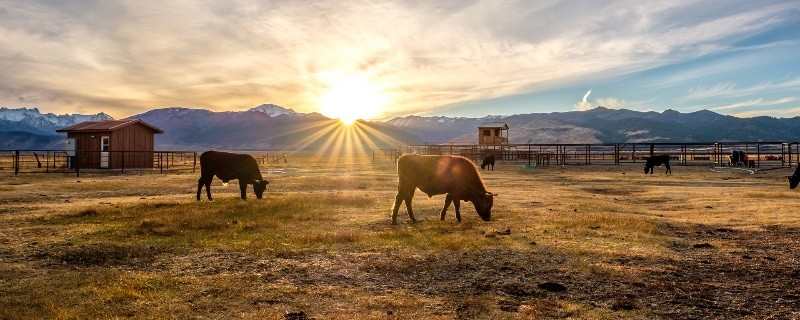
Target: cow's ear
[256, 181]
[491, 194]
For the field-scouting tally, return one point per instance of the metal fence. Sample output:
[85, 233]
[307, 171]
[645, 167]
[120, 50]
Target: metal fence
[751, 154]
[59, 161]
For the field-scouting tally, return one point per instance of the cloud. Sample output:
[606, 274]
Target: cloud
[760, 107]
[610, 102]
[124, 57]
[790, 112]
[584, 104]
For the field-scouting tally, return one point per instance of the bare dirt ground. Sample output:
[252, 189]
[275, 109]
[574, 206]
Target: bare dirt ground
[596, 242]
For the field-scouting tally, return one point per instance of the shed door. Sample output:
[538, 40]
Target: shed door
[104, 146]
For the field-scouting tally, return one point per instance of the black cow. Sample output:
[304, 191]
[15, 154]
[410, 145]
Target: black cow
[229, 166]
[452, 175]
[794, 179]
[657, 161]
[488, 161]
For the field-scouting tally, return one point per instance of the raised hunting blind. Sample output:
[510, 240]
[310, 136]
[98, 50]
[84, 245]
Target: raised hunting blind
[113, 144]
[492, 134]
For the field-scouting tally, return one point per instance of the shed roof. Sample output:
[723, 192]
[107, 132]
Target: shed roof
[107, 125]
[494, 125]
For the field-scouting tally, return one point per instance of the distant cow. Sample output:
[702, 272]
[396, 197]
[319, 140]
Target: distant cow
[227, 167]
[657, 161]
[452, 175]
[488, 161]
[794, 179]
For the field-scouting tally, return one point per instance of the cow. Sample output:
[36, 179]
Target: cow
[794, 179]
[488, 161]
[455, 176]
[657, 161]
[228, 166]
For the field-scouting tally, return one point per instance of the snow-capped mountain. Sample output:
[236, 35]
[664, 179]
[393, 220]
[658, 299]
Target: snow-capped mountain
[271, 127]
[273, 110]
[33, 121]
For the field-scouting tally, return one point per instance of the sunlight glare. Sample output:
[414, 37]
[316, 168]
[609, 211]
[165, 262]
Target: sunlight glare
[351, 99]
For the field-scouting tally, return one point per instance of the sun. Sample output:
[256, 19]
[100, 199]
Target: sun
[351, 99]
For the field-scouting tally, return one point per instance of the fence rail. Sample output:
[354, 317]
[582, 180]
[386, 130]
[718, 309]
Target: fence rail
[752, 154]
[77, 162]
[60, 161]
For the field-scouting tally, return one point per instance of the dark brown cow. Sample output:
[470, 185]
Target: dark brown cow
[657, 161]
[229, 166]
[452, 175]
[488, 161]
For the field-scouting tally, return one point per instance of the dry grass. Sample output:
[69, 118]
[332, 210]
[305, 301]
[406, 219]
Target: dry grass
[692, 244]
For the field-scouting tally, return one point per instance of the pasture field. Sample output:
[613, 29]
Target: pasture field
[574, 242]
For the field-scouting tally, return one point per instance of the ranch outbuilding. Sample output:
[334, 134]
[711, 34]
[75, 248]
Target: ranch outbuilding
[111, 144]
[493, 134]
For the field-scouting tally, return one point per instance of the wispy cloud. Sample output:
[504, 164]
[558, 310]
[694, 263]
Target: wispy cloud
[789, 112]
[128, 56]
[730, 90]
[754, 103]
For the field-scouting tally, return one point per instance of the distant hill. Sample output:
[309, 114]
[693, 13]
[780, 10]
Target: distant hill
[603, 125]
[255, 129]
[20, 140]
[271, 127]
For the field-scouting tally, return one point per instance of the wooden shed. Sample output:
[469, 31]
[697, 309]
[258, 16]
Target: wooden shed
[493, 134]
[113, 144]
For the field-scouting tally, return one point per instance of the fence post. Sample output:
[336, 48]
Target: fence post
[122, 166]
[194, 165]
[16, 162]
[758, 154]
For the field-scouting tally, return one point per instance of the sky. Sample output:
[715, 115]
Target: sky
[381, 59]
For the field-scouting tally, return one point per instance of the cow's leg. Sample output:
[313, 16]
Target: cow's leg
[398, 200]
[204, 181]
[208, 188]
[457, 205]
[492, 166]
[447, 201]
[199, 187]
[243, 189]
[668, 169]
[409, 196]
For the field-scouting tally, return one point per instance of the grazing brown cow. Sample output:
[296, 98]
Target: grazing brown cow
[228, 166]
[452, 175]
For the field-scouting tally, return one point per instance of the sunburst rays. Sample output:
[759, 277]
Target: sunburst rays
[332, 137]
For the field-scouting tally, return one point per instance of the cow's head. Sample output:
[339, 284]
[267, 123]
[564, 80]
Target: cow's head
[793, 181]
[646, 169]
[483, 205]
[259, 186]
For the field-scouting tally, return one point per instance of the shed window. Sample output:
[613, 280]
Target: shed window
[104, 143]
[487, 132]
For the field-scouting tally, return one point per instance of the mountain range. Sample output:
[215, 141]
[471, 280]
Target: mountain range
[271, 127]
